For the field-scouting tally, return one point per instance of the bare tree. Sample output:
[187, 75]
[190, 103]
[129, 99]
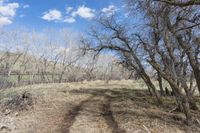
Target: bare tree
[114, 37]
[170, 47]
[180, 3]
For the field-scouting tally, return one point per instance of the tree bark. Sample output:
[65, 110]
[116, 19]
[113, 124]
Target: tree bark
[160, 84]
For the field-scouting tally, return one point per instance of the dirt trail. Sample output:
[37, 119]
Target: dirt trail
[92, 115]
[70, 117]
[103, 109]
[108, 116]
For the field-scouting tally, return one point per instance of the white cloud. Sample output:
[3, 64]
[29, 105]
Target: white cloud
[84, 12]
[9, 9]
[70, 14]
[56, 16]
[110, 10]
[7, 12]
[52, 15]
[26, 6]
[5, 21]
[69, 9]
[69, 20]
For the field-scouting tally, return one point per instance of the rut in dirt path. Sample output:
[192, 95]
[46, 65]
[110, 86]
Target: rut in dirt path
[108, 116]
[92, 115]
[71, 115]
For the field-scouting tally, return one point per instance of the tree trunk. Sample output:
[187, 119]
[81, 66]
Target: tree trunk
[53, 73]
[160, 84]
[148, 82]
[19, 78]
[183, 103]
[150, 91]
[197, 77]
[61, 76]
[186, 109]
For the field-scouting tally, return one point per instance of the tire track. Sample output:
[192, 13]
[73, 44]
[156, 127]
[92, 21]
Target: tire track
[108, 116]
[91, 115]
[90, 119]
[71, 115]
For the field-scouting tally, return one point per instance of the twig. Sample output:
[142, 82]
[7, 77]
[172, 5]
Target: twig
[148, 131]
[173, 110]
[198, 121]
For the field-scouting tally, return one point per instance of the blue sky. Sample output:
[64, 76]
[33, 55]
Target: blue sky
[42, 14]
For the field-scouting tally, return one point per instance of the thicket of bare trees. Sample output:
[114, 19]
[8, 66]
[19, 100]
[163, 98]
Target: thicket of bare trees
[166, 39]
[52, 56]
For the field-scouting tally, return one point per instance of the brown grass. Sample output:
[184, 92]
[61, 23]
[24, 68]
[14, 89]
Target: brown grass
[93, 107]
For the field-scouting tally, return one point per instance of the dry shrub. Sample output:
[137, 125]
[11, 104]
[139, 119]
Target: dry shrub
[5, 83]
[19, 102]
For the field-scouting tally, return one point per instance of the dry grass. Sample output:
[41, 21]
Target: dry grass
[92, 107]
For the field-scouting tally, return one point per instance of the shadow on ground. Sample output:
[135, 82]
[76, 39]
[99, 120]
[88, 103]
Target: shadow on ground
[114, 105]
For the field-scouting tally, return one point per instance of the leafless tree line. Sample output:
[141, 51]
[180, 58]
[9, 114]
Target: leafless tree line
[166, 39]
[49, 57]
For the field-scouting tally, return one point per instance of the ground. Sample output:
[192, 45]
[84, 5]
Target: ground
[91, 107]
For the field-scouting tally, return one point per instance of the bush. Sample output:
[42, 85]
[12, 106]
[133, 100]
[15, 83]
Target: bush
[19, 102]
[5, 83]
